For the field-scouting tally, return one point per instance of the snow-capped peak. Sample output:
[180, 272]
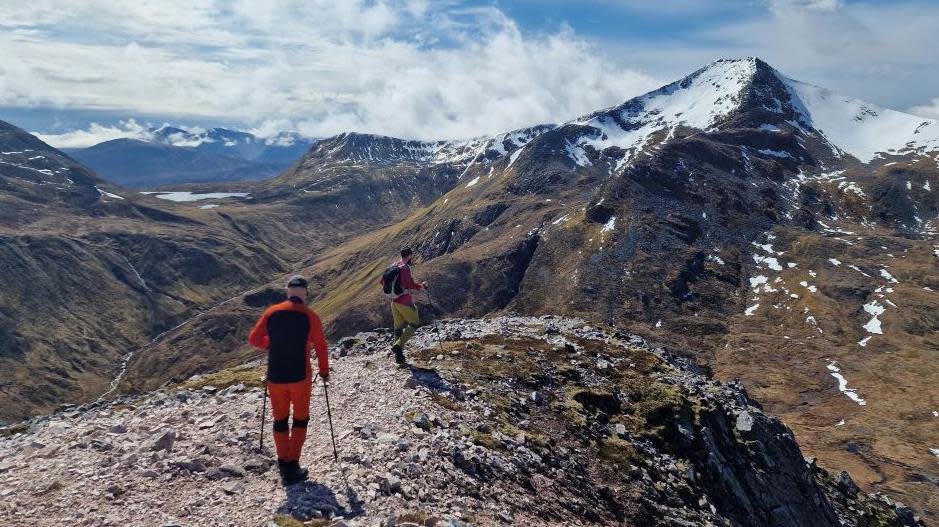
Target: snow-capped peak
[697, 101]
[861, 129]
[728, 93]
[708, 99]
[700, 100]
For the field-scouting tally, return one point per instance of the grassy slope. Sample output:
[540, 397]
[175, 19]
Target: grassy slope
[776, 349]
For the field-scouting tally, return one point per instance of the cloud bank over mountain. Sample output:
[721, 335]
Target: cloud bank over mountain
[420, 69]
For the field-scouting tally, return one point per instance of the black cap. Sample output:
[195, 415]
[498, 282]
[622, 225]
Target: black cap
[406, 251]
[297, 281]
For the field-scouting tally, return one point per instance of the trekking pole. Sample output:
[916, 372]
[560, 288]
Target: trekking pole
[263, 415]
[436, 327]
[329, 415]
[353, 499]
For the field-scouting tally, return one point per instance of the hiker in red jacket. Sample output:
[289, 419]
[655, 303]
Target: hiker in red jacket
[287, 331]
[398, 284]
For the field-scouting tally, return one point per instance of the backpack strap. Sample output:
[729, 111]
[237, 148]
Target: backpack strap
[412, 280]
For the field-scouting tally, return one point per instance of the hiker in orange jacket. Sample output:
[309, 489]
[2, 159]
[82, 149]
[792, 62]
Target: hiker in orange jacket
[287, 331]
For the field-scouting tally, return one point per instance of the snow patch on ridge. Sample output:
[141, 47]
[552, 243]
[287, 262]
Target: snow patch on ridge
[860, 129]
[843, 384]
[875, 309]
[107, 194]
[770, 262]
[698, 101]
[577, 154]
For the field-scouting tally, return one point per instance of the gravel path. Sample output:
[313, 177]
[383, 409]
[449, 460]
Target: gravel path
[190, 457]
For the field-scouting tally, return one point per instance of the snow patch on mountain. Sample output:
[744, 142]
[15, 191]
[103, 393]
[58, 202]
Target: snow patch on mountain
[513, 157]
[886, 275]
[107, 194]
[874, 309]
[577, 154]
[699, 101]
[861, 129]
[843, 384]
[775, 153]
[484, 150]
[770, 262]
[756, 281]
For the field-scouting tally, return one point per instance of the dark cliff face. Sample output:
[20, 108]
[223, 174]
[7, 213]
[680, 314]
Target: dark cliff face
[644, 435]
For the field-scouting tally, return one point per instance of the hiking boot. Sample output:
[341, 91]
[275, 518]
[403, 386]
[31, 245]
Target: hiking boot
[399, 354]
[298, 473]
[284, 468]
[290, 472]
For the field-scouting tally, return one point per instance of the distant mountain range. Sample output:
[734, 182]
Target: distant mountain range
[172, 156]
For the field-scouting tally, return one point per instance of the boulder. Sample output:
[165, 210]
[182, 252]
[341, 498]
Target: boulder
[234, 470]
[161, 441]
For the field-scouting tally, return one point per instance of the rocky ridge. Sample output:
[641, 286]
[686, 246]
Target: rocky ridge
[509, 420]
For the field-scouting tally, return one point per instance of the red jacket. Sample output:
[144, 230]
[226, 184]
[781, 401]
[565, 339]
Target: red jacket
[407, 283]
[288, 331]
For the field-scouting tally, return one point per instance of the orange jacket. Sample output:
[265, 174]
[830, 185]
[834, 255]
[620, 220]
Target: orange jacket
[288, 331]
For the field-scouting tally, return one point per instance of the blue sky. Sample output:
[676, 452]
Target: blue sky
[82, 72]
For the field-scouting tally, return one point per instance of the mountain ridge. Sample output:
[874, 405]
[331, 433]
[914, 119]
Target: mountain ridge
[169, 155]
[614, 432]
[754, 80]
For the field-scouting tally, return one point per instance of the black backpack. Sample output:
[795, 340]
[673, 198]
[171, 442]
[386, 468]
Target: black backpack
[391, 281]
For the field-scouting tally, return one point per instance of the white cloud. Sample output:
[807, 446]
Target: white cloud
[880, 52]
[927, 110]
[780, 6]
[417, 68]
[405, 68]
[95, 134]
